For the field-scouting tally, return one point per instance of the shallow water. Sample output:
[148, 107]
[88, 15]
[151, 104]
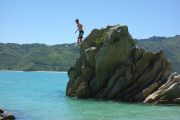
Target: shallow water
[41, 96]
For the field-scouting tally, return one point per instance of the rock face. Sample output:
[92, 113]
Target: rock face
[110, 66]
[167, 93]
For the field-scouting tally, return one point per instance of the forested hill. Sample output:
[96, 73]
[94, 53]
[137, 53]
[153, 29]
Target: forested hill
[41, 57]
[170, 45]
[37, 57]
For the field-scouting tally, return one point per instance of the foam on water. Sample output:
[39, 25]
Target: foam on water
[41, 96]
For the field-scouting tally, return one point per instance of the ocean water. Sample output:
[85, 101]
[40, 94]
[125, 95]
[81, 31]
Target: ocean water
[41, 96]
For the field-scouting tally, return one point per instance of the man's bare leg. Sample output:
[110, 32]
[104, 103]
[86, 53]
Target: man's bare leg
[77, 41]
[80, 40]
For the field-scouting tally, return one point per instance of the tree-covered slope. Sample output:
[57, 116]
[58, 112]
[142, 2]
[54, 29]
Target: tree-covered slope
[37, 57]
[170, 45]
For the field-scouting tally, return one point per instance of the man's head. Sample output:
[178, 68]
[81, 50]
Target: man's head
[77, 21]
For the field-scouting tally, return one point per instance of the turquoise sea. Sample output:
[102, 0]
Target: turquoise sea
[41, 96]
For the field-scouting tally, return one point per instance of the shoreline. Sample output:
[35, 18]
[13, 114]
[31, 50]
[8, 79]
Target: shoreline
[33, 71]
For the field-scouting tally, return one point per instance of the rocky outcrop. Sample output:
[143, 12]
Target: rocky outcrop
[4, 115]
[167, 93]
[110, 66]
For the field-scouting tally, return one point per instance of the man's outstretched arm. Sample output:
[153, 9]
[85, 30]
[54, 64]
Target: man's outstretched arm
[76, 30]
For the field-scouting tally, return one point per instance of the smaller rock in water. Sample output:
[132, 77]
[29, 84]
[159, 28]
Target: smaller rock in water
[168, 93]
[9, 116]
[4, 115]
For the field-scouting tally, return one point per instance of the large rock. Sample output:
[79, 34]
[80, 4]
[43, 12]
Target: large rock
[117, 49]
[110, 66]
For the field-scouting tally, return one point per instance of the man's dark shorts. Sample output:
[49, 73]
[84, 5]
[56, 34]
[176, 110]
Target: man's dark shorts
[81, 34]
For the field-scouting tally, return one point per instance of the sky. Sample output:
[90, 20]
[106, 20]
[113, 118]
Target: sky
[52, 21]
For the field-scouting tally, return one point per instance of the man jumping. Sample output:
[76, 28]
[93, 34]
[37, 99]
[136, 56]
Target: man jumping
[81, 31]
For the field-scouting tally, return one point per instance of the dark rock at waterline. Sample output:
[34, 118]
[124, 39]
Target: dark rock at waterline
[9, 116]
[4, 115]
[1, 111]
[111, 67]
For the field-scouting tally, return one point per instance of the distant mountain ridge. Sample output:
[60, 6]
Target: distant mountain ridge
[41, 57]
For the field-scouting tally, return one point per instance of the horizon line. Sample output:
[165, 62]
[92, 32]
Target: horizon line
[85, 38]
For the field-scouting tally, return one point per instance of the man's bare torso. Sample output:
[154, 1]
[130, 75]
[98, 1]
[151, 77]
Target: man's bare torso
[80, 27]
